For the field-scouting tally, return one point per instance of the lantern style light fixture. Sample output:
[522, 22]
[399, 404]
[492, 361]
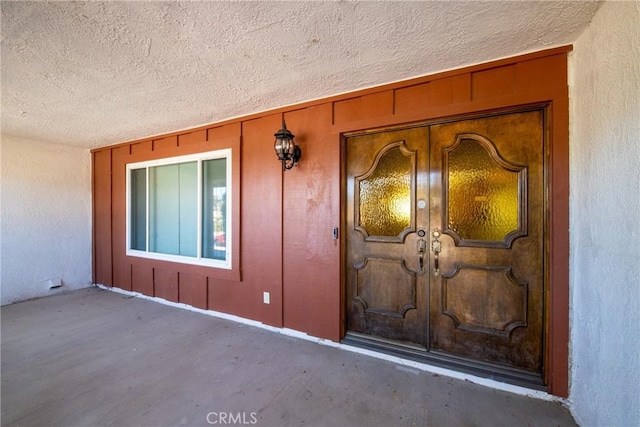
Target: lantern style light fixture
[286, 150]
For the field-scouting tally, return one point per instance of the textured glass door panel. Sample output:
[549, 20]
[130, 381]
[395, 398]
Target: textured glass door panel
[484, 193]
[384, 207]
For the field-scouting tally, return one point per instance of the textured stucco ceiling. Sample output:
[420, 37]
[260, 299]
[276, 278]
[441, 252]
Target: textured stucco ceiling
[97, 73]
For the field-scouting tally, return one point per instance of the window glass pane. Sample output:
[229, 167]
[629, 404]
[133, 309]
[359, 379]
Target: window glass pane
[188, 209]
[483, 196]
[214, 209]
[385, 196]
[138, 211]
[173, 209]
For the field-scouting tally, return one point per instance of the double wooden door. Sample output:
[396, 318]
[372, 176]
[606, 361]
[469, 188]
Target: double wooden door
[445, 240]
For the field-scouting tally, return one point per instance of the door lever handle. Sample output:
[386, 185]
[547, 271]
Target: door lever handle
[422, 248]
[436, 248]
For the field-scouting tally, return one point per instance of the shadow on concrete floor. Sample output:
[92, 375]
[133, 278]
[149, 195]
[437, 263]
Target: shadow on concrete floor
[94, 357]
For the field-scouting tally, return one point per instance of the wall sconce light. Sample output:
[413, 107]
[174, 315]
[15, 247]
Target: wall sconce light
[286, 150]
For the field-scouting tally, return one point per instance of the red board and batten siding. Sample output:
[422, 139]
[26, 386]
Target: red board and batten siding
[284, 241]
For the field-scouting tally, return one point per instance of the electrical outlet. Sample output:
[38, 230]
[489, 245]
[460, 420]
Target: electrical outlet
[266, 298]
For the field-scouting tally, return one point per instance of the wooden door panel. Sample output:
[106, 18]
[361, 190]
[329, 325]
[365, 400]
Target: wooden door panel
[488, 302]
[385, 292]
[501, 307]
[385, 286]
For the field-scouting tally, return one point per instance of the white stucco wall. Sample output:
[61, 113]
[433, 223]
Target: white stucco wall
[45, 218]
[605, 219]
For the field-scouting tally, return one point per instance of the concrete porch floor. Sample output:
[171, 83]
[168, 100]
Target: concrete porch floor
[94, 357]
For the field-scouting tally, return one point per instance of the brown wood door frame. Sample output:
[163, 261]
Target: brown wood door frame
[556, 261]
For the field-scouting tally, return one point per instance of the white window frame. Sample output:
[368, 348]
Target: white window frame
[198, 259]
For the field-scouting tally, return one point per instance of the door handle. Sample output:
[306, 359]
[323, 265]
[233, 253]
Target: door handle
[422, 248]
[436, 248]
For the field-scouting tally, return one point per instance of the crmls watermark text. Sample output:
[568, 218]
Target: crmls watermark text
[226, 418]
